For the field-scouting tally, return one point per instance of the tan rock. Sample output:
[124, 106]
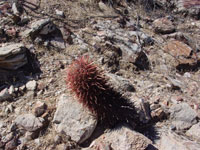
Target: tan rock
[181, 52]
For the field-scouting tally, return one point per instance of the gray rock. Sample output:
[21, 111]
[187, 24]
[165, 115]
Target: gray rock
[121, 84]
[9, 109]
[58, 42]
[43, 26]
[194, 131]
[182, 116]
[121, 139]
[172, 141]
[73, 119]
[59, 13]
[31, 85]
[48, 28]
[13, 56]
[4, 95]
[29, 122]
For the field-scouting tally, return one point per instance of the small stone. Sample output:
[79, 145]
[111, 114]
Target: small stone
[58, 42]
[38, 40]
[58, 139]
[60, 13]
[39, 108]
[158, 113]
[194, 132]
[9, 109]
[163, 25]
[30, 135]
[15, 9]
[182, 116]
[12, 145]
[31, 85]
[154, 106]
[29, 122]
[187, 75]
[4, 95]
[11, 90]
[22, 88]
[37, 141]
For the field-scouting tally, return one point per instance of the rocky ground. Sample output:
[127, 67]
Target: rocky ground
[148, 49]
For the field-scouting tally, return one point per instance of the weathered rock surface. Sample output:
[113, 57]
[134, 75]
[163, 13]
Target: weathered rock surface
[73, 119]
[29, 122]
[182, 116]
[13, 56]
[163, 25]
[122, 138]
[181, 51]
[43, 26]
[121, 84]
[172, 141]
[194, 131]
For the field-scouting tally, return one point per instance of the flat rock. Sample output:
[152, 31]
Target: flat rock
[73, 119]
[182, 116]
[29, 122]
[163, 26]
[13, 56]
[181, 51]
[43, 26]
[194, 132]
[172, 141]
[121, 139]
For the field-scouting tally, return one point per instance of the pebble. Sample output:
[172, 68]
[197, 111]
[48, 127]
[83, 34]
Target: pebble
[4, 94]
[39, 108]
[60, 13]
[31, 85]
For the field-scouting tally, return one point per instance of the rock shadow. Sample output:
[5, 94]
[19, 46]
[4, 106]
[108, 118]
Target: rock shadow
[117, 112]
